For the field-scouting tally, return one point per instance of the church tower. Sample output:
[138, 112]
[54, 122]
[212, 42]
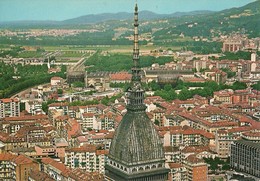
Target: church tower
[136, 152]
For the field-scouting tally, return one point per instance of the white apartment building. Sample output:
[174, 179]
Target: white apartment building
[9, 108]
[87, 158]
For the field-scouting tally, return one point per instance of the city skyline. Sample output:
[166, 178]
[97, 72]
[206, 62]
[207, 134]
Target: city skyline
[15, 10]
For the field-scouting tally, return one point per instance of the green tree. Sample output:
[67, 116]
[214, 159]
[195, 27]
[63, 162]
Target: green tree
[154, 86]
[239, 85]
[78, 84]
[256, 86]
[156, 122]
[60, 91]
[184, 94]
[168, 87]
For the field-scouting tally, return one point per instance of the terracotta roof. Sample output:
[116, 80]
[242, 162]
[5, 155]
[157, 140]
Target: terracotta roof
[80, 175]
[56, 78]
[7, 157]
[175, 165]
[21, 159]
[8, 100]
[110, 135]
[87, 115]
[102, 152]
[58, 104]
[23, 118]
[85, 148]
[40, 176]
[121, 76]
[194, 159]
[252, 134]
[60, 166]
[171, 149]
[195, 149]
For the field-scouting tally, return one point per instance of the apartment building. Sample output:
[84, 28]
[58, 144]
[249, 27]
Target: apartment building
[16, 168]
[245, 157]
[9, 108]
[87, 158]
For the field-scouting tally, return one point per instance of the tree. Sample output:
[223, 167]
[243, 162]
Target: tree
[78, 84]
[239, 85]
[212, 85]
[256, 86]
[184, 94]
[167, 87]
[230, 74]
[157, 122]
[60, 91]
[154, 86]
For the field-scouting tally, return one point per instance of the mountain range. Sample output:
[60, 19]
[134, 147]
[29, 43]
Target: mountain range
[144, 15]
[98, 18]
[244, 19]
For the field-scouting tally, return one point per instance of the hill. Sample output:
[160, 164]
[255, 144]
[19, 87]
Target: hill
[99, 18]
[243, 19]
[144, 15]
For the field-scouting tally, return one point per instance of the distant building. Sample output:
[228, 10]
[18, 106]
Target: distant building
[120, 77]
[233, 44]
[98, 80]
[56, 81]
[9, 107]
[216, 75]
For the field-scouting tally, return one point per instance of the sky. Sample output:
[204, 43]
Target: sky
[15, 10]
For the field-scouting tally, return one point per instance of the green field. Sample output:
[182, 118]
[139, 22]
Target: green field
[113, 48]
[30, 54]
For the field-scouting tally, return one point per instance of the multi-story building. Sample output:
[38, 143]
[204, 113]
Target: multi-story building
[197, 170]
[87, 158]
[241, 96]
[37, 175]
[9, 108]
[59, 172]
[216, 75]
[186, 136]
[245, 157]
[223, 96]
[177, 172]
[223, 141]
[16, 168]
[89, 121]
[34, 107]
[107, 121]
[56, 170]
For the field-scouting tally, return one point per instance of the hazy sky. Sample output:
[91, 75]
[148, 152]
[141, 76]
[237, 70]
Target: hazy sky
[12, 10]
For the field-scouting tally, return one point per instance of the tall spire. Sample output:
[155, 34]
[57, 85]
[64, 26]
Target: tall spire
[136, 67]
[135, 91]
[136, 151]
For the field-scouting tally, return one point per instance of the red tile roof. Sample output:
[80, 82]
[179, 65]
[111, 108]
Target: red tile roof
[25, 118]
[40, 176]
[123, 76]
[175, 165]
[60, 166]
[8, 100]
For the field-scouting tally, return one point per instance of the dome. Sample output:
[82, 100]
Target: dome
[136, 141]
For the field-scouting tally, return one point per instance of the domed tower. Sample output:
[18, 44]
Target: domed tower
[136, 152]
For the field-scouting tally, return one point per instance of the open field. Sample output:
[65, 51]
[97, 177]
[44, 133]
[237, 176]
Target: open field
[112, 48]
[30, 54]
